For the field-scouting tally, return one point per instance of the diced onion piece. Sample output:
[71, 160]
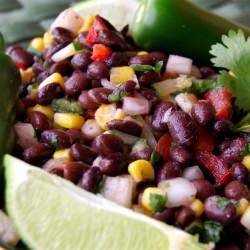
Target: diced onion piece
[185, 101]
[195, 72]
[91, 129]
[193, 173]
[55, 165]
[65, 52]
[166, 115]
[107, 84]
[245, 219]
[26, 135]
[96, 162]
[119, 189]
[127, 139]
[179, 191]
[179, 64]
[165, 88]
[68, 19]
[135, 105]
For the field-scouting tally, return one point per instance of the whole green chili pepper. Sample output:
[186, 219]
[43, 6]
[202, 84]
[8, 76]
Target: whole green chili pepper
[179, 26]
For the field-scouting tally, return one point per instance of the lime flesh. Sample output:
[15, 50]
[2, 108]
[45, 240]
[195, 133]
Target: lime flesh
[51, 213]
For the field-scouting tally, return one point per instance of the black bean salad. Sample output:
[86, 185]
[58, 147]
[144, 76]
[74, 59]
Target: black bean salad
[150, 131]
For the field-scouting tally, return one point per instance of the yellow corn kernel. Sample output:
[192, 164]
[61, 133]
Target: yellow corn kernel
[105, 113]
[246, 161]
[37, 43]
[63, 153]
[198, 207]
[140, 209]
[47, 39]
[68, 120]
[119, 114]
[242, 206]
[146, 196]
[141, 170]
[121, 74]
[46, 110]
[54, 78]
[87, 23]
[142, 53]
[26, 75]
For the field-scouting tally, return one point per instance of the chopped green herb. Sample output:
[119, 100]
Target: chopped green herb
[116, 97]
[54, 142]
[145, 67]
[223, 202]
[155, 157]
[194, 228]
[157, 202]
[65, 106]
[211, 231]
[46, 65]
[77, 46]
[101, 185]
[245, 120]
[245, 150]
[237, 204]
[244, 128]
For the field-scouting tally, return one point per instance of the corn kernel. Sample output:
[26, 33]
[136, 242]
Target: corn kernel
[63, 153]
[121, 74]
[47, 39]
[46, 110]
[198, 207]
[142, 53]
[27, 75]
[242, 206]
[119, 114]
[68, 120]
[141, 170]
[142, 210]
[107, 112]
[246, 161]
[146, 196]
[54, 78]
[87, 23]
[37, 43]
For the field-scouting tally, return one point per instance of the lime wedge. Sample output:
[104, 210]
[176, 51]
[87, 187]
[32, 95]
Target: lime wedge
[53, 214]
[118, 12]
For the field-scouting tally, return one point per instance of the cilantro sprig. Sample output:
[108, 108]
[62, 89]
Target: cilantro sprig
[233, 54]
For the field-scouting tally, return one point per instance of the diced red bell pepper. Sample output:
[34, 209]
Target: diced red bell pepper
[205, 142]
[221, 99]
[21, 66]
[93, 33]
[215, 166]
[163, 146]
[100, 52]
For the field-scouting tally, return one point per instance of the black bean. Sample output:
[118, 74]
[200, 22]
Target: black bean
[91, 179]
[61, 35]
[99, 95]
[204, 189]
[182, 128]
[37, 153]
[245, 135]
[42, 76]
[81, 60]
[149, 77]
[222, 127]
[144, 154]
[184, 216]
[75, 135]
[86, 102]
[106, 144]
[167, 215]
[159, 56]
[228, 246]
[150, 95]
[82, 37]
[76, 83]
[216, 212]
[128, 86]
[182, 155]
[97, 70]
[160, 116]
[113, 164]
[207, 72]
[117, 59]
[48, 93]
[236, 190]
[39, 121]
[63, 67]
[246, 243]
[83, 153]
[169, 170]
[73, 171]
[239, 172]
[37, 67]
[56, 138]
[126, 126]
[142, 59]
[50, 50]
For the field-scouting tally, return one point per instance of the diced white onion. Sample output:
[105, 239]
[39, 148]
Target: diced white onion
[245, 219]
[65, 52]
[107, 84]
[91, 129]
[179, 191]
[96, 162]
[166, 115]
[68, 19]
[179, 64]
[26, 135]
[195, 72]
[193, 173]
[135, 105]
[185, 101]
[52, 164]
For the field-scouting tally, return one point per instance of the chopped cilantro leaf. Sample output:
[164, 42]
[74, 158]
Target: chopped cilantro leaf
[77, 46]
[233, 55]
[211, 231]
[65, 106]
[116, 97]
[157, 202]
[54, 142]
[222, 203]
[155, 157]
[245, 150]
[34, 51]
[194, 228]
[145, 67]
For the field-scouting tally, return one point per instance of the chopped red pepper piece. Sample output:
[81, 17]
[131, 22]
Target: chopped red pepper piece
[93, 33]
[206, 141]
[215, 166]
[100, 52]
[163, 146]
[21, 66]
[221, 99]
